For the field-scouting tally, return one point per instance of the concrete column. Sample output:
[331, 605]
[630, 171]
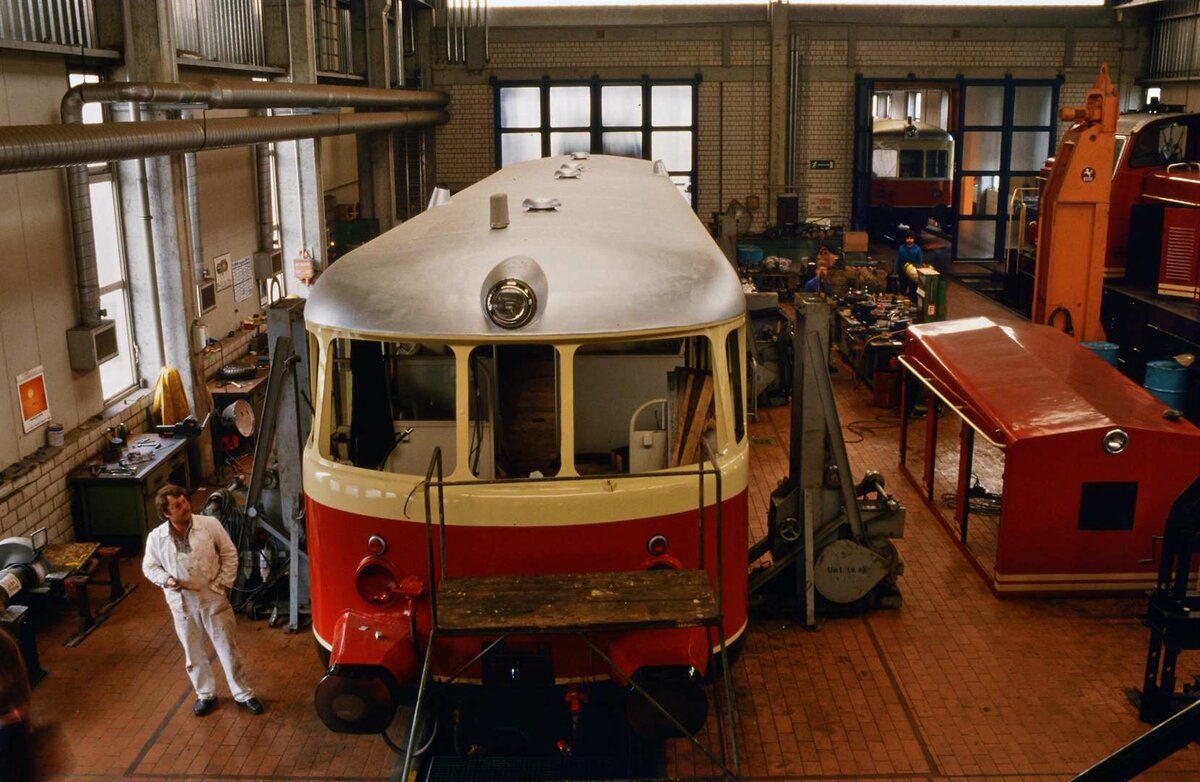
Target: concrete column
[275, 33]
[376, 151]
[176, 287]
[150, 41]
[110, 24]
[777, 133]
[140, 260]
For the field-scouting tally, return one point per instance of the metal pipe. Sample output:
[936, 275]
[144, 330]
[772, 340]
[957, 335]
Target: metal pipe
[87, 278]
[37, 147]
[191, 181]
[239, 94]
[262, 178]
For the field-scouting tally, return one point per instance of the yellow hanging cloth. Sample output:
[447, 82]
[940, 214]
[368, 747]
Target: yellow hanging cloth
[170, 402]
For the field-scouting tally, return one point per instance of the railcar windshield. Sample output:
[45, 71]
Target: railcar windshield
[632, 405]
[1159, 145]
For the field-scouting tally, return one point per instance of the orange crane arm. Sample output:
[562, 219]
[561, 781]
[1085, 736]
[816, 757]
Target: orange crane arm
[1073, 217]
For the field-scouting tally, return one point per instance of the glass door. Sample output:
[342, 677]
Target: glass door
[1007, 130]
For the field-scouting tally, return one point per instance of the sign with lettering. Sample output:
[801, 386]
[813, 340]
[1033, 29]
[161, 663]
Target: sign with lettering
[823, 164]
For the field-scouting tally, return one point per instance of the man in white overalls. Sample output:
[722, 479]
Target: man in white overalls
[195, 562]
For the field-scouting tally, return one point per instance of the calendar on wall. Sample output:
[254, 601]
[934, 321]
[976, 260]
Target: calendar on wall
[243, 279]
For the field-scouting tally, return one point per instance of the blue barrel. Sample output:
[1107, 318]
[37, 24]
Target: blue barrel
[749, 256]
[1105, 350]
[1167, 380]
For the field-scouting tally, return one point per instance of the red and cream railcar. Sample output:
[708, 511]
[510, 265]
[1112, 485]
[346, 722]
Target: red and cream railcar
[912, 165]
[544, 350]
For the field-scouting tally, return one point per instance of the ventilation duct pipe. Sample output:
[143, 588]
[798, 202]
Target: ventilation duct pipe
[229, 94]
[38, 147]
[209, 94]
[262, 179]
[191, 180]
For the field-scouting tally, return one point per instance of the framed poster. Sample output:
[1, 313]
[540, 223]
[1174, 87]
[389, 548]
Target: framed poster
[35, 405]
[224, 271]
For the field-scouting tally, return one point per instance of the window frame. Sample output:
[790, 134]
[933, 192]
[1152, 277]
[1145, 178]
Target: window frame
[596, 127]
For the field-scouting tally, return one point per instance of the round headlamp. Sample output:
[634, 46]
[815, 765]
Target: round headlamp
[1116, 441]
[510, 303]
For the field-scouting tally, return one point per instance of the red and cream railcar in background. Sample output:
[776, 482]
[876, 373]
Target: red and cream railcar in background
[912, 166]
[543, 350]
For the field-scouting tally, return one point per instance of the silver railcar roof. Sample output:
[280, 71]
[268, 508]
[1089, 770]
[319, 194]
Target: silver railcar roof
[624, 252]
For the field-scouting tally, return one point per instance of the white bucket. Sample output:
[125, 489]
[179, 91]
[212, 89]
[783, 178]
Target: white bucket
[239, 416]
[55, 435]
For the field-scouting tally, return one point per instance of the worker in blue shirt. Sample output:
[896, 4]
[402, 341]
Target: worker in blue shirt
[819, 282]
[909, 252]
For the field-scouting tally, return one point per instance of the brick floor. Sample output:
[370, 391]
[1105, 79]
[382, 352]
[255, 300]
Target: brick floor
[955, 685]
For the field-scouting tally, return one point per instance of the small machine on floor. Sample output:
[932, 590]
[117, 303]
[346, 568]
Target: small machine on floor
[829, 539]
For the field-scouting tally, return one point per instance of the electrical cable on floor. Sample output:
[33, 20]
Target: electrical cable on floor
[871, 426]
[416, 752]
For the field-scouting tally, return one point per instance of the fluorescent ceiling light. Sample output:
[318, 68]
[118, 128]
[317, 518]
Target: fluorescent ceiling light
[610, 3]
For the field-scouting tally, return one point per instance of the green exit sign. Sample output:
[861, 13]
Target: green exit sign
[825, 164]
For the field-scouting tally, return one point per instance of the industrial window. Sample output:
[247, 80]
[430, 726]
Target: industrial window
[653, 120]
[118, 374]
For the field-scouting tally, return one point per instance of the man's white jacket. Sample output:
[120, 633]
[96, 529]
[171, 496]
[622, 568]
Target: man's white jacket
[214, 557]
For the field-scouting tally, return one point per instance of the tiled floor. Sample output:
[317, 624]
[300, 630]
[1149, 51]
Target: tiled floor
[955, 685]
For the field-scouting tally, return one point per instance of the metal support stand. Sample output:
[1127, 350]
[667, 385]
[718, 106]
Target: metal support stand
[1173, 627]
[286, 420]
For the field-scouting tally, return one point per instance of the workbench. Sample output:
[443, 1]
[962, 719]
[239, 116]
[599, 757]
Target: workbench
[116, 499]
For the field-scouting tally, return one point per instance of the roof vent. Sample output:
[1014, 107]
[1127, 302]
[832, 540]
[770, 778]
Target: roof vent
[568, 171]
[580, 156]
[540, 204]
[660, 168]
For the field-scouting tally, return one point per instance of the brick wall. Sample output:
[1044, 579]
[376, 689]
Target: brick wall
[961, 54]
[465, 146]
[734, 101]
[733, 146]
[41, 495]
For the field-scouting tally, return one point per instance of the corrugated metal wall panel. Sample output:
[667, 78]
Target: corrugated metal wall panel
[228, 31]
[65, 22]
[1174, 41]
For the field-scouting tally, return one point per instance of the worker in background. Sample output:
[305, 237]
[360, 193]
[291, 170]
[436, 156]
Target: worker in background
[195, 562]
[909, 252]
[819, 282]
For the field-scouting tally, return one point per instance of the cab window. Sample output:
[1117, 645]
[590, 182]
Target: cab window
[392, 404]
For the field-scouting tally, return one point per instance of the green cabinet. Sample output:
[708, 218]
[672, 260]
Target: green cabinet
[116, 499]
